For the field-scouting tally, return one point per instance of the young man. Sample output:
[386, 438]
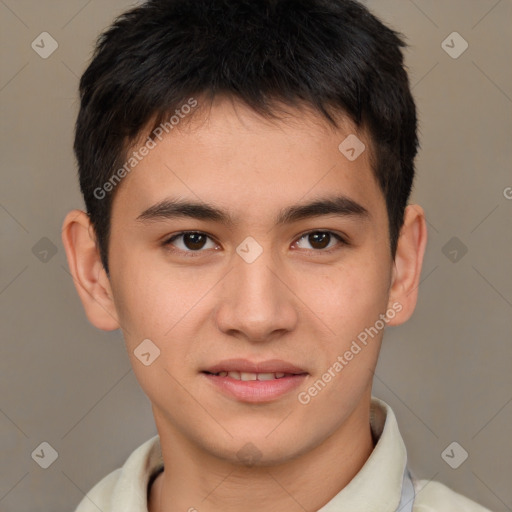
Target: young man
[246, 167]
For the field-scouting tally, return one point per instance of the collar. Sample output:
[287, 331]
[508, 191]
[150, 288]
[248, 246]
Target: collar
[378, 484]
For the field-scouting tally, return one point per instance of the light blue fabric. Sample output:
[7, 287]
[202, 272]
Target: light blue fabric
[408, 494]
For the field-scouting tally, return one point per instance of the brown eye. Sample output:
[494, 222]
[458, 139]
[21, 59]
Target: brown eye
[189, 241]
[320, 240]
[194, 241]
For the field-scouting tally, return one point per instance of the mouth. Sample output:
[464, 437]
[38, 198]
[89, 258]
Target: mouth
[276, 367]
[250, 376]
[252, 382]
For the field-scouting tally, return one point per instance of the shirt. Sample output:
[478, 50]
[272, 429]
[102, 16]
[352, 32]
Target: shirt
[377, 487]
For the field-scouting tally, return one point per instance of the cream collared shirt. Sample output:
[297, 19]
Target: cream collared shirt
[376, 488]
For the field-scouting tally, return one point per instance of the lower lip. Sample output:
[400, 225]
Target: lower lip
[256, 390]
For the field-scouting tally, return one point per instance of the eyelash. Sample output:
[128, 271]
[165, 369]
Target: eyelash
[194, 254]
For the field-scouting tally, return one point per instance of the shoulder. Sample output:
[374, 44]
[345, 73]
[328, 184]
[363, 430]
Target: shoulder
[100, 495]
[436, 497]
[125, 488]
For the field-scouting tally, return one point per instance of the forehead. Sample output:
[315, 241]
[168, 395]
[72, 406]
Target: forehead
[229, 155]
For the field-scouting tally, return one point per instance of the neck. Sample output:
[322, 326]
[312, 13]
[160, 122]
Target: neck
[196, 481]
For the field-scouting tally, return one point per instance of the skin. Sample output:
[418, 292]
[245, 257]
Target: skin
[295, 302]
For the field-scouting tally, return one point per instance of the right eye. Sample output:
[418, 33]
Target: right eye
[191, 242]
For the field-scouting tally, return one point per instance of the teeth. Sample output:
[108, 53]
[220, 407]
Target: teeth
[266, 376]
[247, 376]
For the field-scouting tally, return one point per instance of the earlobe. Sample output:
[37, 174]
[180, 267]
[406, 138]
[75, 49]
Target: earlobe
[89, 276]
[408, 263]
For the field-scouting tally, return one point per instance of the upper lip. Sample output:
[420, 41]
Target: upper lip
[244, 365]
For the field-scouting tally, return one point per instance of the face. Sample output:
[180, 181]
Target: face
[231, 289]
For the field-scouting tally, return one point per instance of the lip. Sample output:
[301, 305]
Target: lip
[244, 365]
[255, 391]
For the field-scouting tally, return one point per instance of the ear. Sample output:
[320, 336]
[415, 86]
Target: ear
[407, 265]
[89, 276]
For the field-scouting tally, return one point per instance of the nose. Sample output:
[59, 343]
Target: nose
[256, 301]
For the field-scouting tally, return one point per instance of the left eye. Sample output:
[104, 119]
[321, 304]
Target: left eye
[194, 241]
[320, 239]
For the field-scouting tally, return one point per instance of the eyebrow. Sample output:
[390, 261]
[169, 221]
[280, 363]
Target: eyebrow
[171, 208]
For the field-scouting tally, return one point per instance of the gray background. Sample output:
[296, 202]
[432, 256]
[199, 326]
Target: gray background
[446, 372]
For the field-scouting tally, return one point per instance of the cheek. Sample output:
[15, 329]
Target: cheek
[139, 304]
[154, 307]
[350, 298]
[159, 302]
[351, 302]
